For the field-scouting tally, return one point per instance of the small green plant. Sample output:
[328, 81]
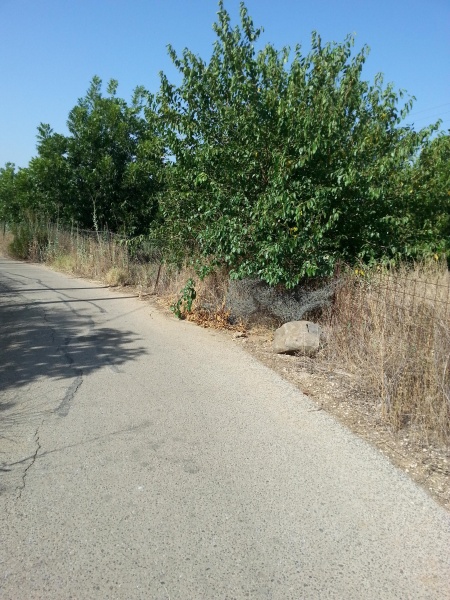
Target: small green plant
[184, 303]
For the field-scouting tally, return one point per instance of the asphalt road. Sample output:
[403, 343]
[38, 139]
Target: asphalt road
[146, 458]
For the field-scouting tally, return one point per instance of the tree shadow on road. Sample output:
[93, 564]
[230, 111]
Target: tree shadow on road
[48, 344]
[41, 341]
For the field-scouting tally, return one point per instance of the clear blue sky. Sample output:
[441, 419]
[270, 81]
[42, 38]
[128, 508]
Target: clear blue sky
[50, 50]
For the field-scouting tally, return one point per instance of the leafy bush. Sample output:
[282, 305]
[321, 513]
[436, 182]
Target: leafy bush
[285, 165]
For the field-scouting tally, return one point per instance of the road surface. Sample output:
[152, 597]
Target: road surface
[146, 458]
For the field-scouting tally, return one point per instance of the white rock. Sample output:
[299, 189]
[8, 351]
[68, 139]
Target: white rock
[297, 336]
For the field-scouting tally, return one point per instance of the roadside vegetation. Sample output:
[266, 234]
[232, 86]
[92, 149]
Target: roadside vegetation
[269, 165]
[391, 329]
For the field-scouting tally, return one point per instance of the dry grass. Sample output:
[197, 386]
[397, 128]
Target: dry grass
[392, 331]
[85, 255]
[103, 258]
[6, 237]
[99, 257]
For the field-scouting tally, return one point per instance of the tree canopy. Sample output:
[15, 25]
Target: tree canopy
[285, 164]
[107, 173]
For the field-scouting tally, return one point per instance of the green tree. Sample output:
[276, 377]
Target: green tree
[283, 164]
[7, 193]
[115, 160]
[18, 200]
[49, 176]
[429, 185]
[108, 172]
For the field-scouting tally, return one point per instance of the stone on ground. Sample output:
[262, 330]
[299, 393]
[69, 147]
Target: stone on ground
[297, 336]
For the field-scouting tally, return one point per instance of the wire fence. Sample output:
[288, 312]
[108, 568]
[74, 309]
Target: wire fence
[139, 249]
[421, 295]
[393, 329]
[410, 295]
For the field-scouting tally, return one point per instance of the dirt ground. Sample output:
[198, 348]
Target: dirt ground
[338, 393]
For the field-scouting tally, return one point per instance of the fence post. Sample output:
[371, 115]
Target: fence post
[157, 278]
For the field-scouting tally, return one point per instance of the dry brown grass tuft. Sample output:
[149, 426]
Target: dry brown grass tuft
[220, 318]
[116, 276]
[392, 330]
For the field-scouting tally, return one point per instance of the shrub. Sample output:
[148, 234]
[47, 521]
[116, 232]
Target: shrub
[30, 241]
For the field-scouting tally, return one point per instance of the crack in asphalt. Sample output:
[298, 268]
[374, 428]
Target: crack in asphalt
[132, 429]
[64, 406]
[33, 460]
[62, 350]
